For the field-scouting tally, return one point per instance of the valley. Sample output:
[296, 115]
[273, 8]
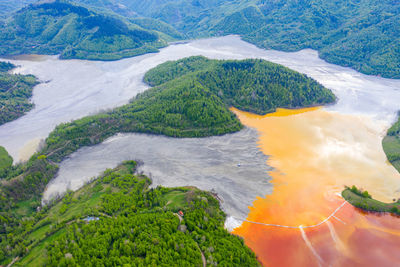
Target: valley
[199, 133]
[365, 107]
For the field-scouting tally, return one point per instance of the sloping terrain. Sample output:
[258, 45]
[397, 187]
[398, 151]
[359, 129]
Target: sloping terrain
[364, 34]
[119, 220]
[60, 27]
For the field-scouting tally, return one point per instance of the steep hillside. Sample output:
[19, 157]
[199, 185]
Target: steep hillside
[362, 34]
[121, 201]
[59, 27]
[118, 220]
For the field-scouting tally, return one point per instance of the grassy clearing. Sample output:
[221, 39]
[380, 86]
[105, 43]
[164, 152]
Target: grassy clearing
[175, 199]
[37, 255]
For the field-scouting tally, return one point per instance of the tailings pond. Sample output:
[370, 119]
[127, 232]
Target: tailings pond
[279, 180]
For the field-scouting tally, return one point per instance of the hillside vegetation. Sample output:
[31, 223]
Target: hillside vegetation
[362, 34]
[119, 220]
[5, 159]
[60, 27]
[15, 92]
[191, 98]
[7, 7]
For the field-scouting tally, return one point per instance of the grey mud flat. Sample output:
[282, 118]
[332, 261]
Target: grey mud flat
[231, 165]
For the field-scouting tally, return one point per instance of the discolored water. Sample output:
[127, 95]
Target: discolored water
[317, 152]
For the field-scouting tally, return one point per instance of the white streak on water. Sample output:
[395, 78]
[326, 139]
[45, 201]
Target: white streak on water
[310, 246]
[339, 244]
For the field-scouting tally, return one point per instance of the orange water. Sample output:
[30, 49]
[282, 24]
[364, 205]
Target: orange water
[316, 153]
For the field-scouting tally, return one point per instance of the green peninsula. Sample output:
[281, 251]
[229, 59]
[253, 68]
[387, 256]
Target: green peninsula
[363, 200]
[191, 98]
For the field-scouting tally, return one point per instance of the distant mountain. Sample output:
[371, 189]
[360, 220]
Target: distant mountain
[60, 27]
[362, 34]
[7, 7]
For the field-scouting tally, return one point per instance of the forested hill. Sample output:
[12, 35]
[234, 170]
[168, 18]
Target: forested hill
[191, 98]
[60, 27]
[362, 34]
[118, 220]
[252, 85]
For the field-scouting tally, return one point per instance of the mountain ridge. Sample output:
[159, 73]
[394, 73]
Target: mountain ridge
[73, 31]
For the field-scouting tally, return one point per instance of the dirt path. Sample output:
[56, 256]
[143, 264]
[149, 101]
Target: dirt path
[13, 261]
[203, 258]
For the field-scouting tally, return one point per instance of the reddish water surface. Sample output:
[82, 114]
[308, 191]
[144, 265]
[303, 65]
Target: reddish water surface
[316, 153]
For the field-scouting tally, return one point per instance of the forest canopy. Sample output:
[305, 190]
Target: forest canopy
[73, 31]
[117, 219]
[364, 35]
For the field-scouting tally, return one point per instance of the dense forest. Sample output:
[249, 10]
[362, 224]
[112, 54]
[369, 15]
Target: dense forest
[60, 27]
[15, 93]
[5, 159]
[118, 219]
[362, 34]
